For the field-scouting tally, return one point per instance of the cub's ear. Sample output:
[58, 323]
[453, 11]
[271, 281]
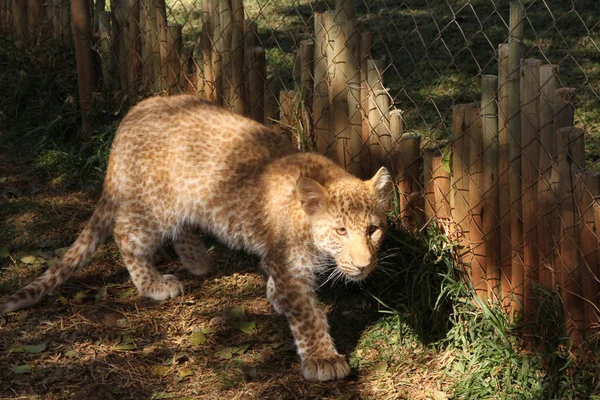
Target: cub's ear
[313, 196]
[382, 185]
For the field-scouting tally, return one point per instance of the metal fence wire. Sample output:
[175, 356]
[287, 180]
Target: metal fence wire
[487, 111]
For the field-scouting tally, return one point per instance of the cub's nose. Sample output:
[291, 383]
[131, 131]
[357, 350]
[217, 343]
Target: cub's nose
[362, 264]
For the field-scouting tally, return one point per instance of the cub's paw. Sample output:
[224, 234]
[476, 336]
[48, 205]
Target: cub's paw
[166, 287]
[325, 368]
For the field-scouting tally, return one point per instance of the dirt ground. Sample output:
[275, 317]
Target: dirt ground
[96, 338]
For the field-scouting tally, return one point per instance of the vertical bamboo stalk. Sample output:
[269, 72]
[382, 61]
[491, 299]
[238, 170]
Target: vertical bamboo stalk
[588, 189]
[237, 57]
[133, 46]
[106, 58]
[56, 28]
[19, 8]
[320, 108]
[571, 160]
[366, 44]
[478, 255]
[546, 197]
[199, 77]
[206, 41]
[514, 126]
[491, 157]
[376, 115]
[272, 88]
[564, 110]
[152, 47]
[34, 9]
[288, 113]
[409, 187]
[460, 178]
[339, 93]
[354, 110]
[163, 37]
[118, 42]
[530, 154]
[306, 54]
[65, 23]
[429, 153]
[596, 272]
[86, 81]
[396, 131]
[256, 67]
[225, 49]
[250, 33]
[174, 46]
[441, 186]
[217, 51]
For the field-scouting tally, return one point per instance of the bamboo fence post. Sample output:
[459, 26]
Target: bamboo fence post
[460, 178]
[132, 46]
[271, 101]
[256, 80]
[217, 50]
[409, 187]
[477, 256]
[288, 114]
[320, 106]
[86, 80]
[34, 9]
[55, 10]
[306, 55]
[564, 109]
[441, 186]
[514, 126]
[250, 33]
[118, 42]
[206, 40]
[174, 46]
[428, 184]
[353, 76]
[546, 196]
[571, 159]
[596, 272]
[19, 8]
[376, 116]
[151, 59]
[366, 43]
[107, 60]
[162, 37]
[589, 188]
[237, 58]
[530, 154]
[339, 93]
[99, 6]
[396, 132]
[199, 77]
[491, 159]
[65, 23]
[225, 49]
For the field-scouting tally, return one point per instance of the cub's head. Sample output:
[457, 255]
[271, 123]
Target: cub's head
[347, 219]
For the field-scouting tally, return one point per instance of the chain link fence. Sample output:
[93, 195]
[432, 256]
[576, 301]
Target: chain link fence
[487, 112]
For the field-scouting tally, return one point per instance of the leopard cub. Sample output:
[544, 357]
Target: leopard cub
[180, 164]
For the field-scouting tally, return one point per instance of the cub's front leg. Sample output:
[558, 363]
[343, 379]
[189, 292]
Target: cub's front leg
[292, 294]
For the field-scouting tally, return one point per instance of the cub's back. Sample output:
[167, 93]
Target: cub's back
[168, 149]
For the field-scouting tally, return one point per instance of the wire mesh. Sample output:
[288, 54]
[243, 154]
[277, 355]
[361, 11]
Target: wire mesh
[463, 100]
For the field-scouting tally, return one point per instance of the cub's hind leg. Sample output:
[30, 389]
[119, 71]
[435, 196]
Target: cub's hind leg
[192, 252]
[138, 238]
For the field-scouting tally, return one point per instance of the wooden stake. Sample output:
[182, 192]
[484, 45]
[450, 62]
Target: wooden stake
[441, 186]
[19, 8]
[530, 154]
[377, 117]
[206, 40]
[86, 79]
[409, 187]
[174, 47]
[491, 151]
[339, 94]
[34, 9]
[429, 153]
[546, 199]
[588, 188]
[366, 44]
[514, 126]
[564, 110]
[237, 58]
[571, 159]
[107, 60]
[353, 77]
[320, 108]
[257, 73]
[133, 46]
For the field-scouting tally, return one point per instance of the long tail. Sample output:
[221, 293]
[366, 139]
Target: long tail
[93, 235]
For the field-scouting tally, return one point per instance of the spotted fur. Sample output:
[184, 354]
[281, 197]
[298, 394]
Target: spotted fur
[180, 164]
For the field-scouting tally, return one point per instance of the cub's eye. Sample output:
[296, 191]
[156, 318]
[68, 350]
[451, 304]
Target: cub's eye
[373, 229]
[341, 231]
